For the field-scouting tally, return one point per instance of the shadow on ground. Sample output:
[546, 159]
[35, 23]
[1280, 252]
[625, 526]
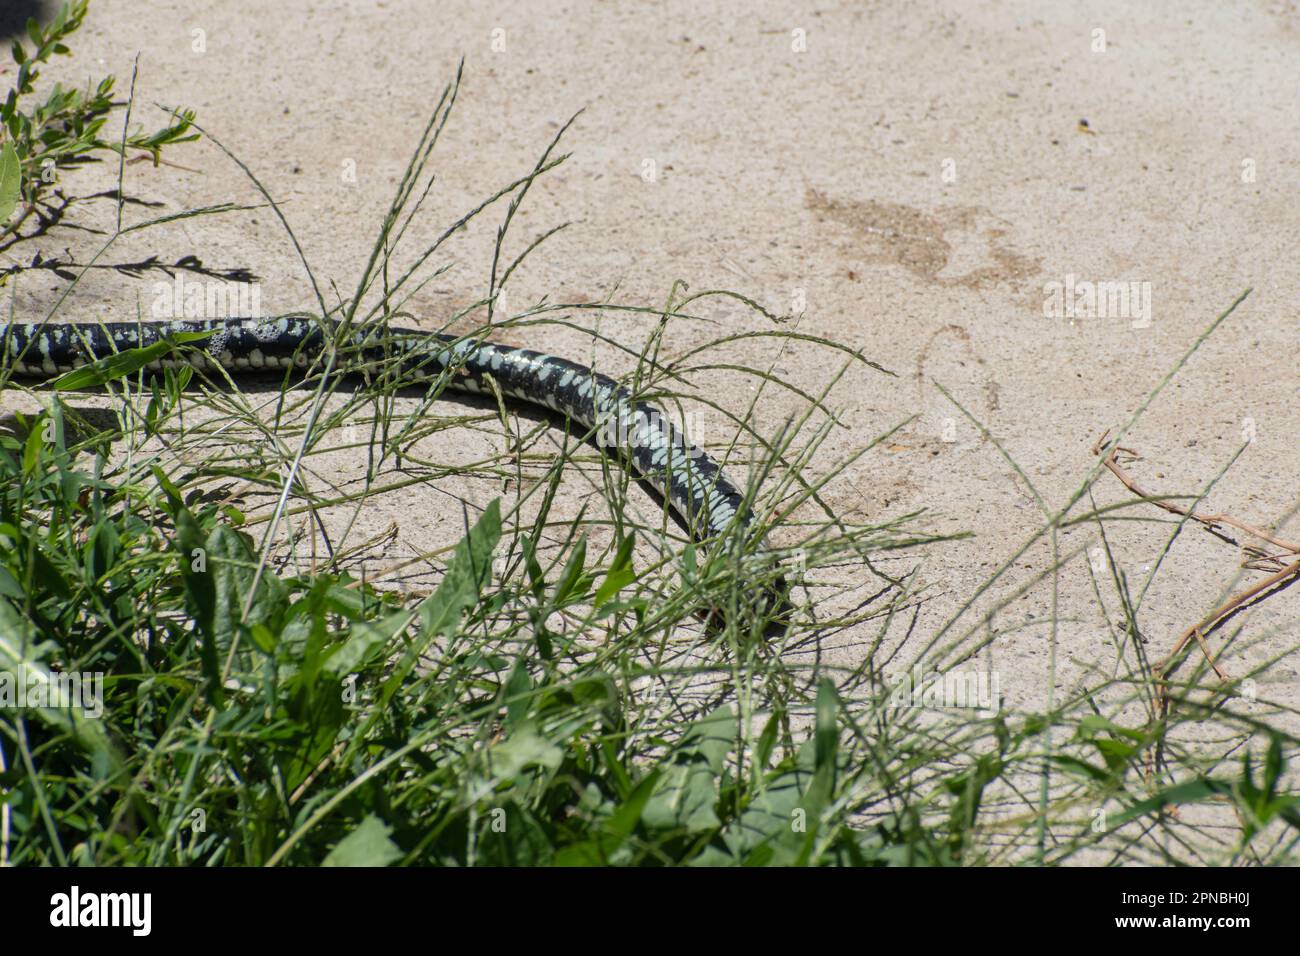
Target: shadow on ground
[15, 13]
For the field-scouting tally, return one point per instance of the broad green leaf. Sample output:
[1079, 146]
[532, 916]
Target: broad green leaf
[263, 638]
[1115, 753]
[1095, 723]
[772, 828]
[572, 574]
[614, 831]
[1080, 767]
[1274, 764]
[826, 751]
[712, 737]
[688, 789]
[685, 798]
[9, 586]
[536, 579]
[112, 367]
[200, 592]
[520, 840]
[469, 570]
[218, 572]
[11, 182]
[522, 749]
[365, 641]
[233, 567]
[169, 489]
[1192, 791]
[34, 448]
[620, 573]
[367, 845]
[767, 741]
[828, 730]
[517, 692]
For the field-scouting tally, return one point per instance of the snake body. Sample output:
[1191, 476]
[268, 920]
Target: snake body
[636, 431]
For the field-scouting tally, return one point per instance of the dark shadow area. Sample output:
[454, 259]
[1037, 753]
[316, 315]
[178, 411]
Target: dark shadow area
[50, 214]
[190, 264]
[15, 13]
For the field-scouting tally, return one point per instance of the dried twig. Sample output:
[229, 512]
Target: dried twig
[1222, 611]
[1214, 523]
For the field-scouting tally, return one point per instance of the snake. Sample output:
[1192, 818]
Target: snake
[624, 427]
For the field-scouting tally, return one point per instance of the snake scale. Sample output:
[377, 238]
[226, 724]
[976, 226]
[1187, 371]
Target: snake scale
[635, 431]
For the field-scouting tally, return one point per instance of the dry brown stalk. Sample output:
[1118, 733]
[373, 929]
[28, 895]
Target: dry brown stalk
[1214, 523]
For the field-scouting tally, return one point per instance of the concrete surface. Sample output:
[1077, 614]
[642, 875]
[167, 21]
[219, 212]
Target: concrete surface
[913, 178]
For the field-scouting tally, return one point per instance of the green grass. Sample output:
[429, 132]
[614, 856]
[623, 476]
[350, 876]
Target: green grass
[539, 688]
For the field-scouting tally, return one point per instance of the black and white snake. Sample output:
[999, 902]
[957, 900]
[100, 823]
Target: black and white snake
[658, 452]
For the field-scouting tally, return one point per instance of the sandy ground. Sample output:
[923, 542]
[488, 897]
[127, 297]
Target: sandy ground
[912, 178]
